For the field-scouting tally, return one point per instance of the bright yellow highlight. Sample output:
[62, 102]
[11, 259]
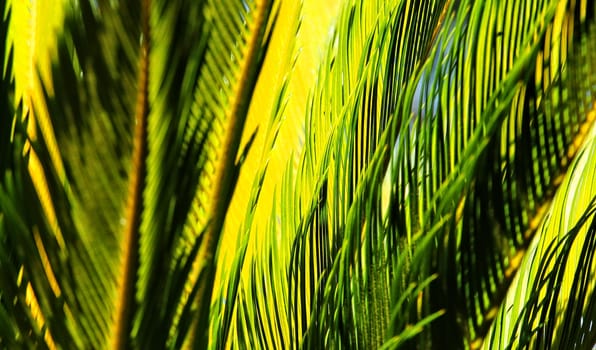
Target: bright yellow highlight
[32, 23]
[301, 61]
[293, 58]
[46, 263]
[38, 316]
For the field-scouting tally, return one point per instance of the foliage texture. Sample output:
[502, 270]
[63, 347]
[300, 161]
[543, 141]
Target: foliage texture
[275, 174]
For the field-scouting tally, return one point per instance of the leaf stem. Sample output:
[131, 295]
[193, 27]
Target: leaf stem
[126, 285]
[225, 174]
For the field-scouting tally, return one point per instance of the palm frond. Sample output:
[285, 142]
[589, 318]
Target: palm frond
[207, 174]
[505, 203]
[431, 203]
[552, 303]
[118, 244]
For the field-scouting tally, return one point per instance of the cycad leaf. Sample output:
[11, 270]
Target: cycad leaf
[555, 275]
[533, 147]
[117, 244]
[154, 195]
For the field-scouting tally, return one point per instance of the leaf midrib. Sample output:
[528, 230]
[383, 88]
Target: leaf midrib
[126, 288]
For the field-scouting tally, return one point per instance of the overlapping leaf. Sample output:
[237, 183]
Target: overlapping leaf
[116, 262]
[436, 135]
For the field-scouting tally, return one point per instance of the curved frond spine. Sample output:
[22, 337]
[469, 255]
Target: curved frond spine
[125, 304]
